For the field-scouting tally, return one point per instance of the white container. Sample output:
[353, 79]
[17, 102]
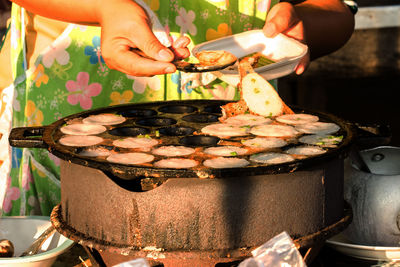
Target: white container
[285, 51]
[22, 231]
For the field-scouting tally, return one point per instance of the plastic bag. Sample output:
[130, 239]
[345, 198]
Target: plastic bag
[141, 262]
[278, 251]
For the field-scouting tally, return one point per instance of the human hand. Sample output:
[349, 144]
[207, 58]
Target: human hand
[282, 18]
[126, 28]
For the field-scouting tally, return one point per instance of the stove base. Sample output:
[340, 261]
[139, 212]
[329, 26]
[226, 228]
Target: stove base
[103, 254]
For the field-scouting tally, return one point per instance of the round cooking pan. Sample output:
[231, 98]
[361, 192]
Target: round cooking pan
[156, 118]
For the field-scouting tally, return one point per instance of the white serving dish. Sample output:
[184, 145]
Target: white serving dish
[377, 253]
[22, 231]
[285, 51]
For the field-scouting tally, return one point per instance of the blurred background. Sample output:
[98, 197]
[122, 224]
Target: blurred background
[5, 6]
[360, 82]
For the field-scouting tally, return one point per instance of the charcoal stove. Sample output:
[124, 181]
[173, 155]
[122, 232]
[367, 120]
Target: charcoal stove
[190, 217]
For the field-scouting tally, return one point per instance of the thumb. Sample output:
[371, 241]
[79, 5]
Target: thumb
[151, 46]
[280, 18]
[303, 64]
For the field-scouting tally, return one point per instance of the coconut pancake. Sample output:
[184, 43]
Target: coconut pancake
[274, 130]
[222, 162]
[136, 142]
[318, 128]
[321, 140]
[264, 142]
[176, 163]
[298, 118]
[80, 140]
[260, 96]
[306, 150]
[257, 95]
[215, 57]
[95, 152]
[83, 129]
[271, 158]
[104, 119]
[247, 119]
[173, 151]
[225, 151]
[225, 130]
[130, 158]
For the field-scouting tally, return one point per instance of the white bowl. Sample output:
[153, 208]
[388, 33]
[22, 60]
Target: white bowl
[22, 231]
[286, 52]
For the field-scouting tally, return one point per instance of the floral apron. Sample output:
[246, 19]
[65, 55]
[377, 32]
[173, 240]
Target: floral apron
[70, 76]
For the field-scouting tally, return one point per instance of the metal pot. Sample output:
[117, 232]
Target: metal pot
[375, 198]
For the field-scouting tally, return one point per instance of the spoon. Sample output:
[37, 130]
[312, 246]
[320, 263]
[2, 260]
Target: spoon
[37, 244]
[208, 61]
[199, 67]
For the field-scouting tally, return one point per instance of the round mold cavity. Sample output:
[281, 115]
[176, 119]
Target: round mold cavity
[128, 131]
[216, 109]
[199, 140]
[137, 113]
[156, 121]
[201, 118]
[176, 131]
[177, 109]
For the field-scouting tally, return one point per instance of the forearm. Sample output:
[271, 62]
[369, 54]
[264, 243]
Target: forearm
[328, 25]
[87, 12]
[74, 11]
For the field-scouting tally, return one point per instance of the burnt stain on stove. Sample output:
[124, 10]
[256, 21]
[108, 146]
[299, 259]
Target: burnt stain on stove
[134, 232]
[171, 235]
[65, 211]
[190, 237]
[212, 231]
[149, 237]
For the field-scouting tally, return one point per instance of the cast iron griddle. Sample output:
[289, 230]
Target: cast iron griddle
[174, 123]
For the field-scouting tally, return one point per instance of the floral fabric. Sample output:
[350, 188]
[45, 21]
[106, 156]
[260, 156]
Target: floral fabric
[70, 76]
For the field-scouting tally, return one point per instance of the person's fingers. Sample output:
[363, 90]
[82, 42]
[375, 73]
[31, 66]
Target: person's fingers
[180, 53]
[179, 47]
[151, 46]
[129, 62]
[303, 64]
[181, 42]
[140, 33]
[281, 17]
